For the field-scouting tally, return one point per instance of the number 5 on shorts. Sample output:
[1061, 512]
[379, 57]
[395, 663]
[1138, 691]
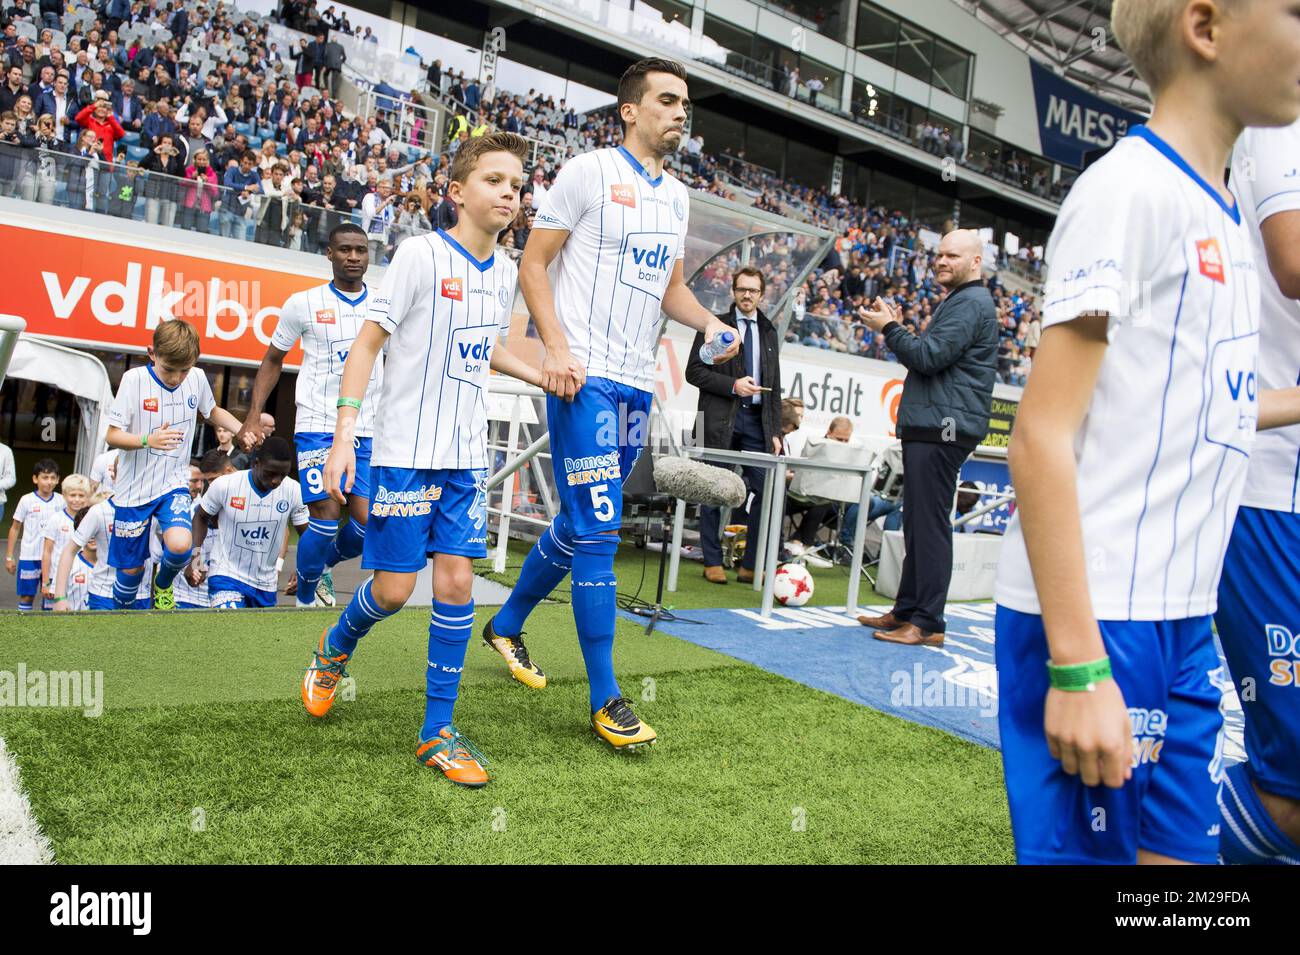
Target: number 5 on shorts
[601, 504]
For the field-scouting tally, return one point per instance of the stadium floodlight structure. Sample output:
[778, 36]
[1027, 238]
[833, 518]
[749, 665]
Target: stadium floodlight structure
[11, 326]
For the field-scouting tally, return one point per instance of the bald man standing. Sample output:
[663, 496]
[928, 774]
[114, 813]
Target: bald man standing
[942, 416]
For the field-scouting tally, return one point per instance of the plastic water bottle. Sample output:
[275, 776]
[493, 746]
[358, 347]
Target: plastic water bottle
[709, 351]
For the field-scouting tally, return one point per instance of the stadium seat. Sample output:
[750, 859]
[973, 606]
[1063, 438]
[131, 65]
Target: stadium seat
[131, 139]
[245, 129]
[266, 132]
[254, 142]
[137, 153]
[282, 149]
[27, 28]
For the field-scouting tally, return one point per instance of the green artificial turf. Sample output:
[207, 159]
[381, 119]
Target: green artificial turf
[204, 754]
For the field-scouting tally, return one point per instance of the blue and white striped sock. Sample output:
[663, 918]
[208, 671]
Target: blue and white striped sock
[347, 544]
[450, 629]
[124, 588]
[172, 564]
[548, 563]
[1249, 835]
[361, 613]
[312, 547]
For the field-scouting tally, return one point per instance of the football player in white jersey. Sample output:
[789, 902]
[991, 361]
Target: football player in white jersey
[1129, 456]
[603, 259]
[33, 510]
[58, 530]
[446, 299]
[151, 423]
[253, 510]
[1258, 619]
[326, 319]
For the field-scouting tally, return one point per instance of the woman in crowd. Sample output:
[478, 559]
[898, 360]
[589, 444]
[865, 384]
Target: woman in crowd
[200, 194]
[165, 165]
[40, 174]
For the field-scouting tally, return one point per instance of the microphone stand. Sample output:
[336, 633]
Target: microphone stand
[656, 612]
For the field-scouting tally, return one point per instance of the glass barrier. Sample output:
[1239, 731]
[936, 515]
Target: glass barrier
[202, 201]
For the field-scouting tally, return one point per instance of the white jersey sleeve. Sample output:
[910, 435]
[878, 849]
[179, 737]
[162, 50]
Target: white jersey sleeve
[293, 317]
[144, 404]
[1098, 252]
[571, 198]
[214, 498]
[406, 280]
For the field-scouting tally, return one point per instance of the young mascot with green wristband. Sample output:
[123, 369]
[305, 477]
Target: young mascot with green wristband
[446, 300]
[1129, 455]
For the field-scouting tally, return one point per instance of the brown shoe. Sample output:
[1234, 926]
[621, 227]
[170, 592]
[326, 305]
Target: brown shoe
[885, 622]
[745, 575]
[715, 575]
[910, 635]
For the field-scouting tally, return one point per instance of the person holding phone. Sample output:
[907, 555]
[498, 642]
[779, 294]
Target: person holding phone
[740, 408]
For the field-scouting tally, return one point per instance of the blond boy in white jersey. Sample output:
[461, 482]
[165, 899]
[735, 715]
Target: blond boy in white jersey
[1129, 455]
[445, 301]
[603, 260]
[58, 531]
[151, 423]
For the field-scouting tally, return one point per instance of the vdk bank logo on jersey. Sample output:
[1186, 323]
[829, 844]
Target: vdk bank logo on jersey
[647, 261]
[1234, 406]
[453, 288]
[470, 352]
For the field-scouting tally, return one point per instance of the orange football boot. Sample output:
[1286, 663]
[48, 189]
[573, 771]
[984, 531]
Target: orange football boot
[458, 758]
[321, 681]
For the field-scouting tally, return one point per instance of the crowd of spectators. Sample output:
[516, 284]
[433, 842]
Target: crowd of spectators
[120, 119]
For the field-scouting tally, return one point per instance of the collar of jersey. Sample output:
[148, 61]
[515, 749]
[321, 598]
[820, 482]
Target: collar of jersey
[482, 266]
[43, 500]
[82, 557]
[1162, 147]
[639, 168]
[153, 374]
[253, 484]
[354, 302]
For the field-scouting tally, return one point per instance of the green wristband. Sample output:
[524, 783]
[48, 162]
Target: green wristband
[144, 440]
[1079, 677]
[59, 600]
[349, 403]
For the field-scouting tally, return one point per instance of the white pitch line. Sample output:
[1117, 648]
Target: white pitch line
[21, 839]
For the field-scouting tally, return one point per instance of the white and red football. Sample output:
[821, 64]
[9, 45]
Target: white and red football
[794, 585]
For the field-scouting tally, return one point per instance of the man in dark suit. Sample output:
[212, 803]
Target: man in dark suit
[740, 408]
[943, 415]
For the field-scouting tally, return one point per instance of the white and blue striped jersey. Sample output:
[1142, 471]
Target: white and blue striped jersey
[99, 473]
[33, 511]
[143, 404]
[97, 526]
[79, 578]
[327, 321]
[1266, 175]
[58, 530]
[1161, 454]
[445, 311]
[626, 233]
[252, 525]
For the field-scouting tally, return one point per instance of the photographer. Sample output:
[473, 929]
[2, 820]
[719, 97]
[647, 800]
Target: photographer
[410, 221]
[165, 167]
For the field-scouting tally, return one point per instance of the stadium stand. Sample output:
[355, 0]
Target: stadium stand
[189, 89]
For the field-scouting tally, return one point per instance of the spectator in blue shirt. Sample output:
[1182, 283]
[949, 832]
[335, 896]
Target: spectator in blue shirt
[243, 184]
